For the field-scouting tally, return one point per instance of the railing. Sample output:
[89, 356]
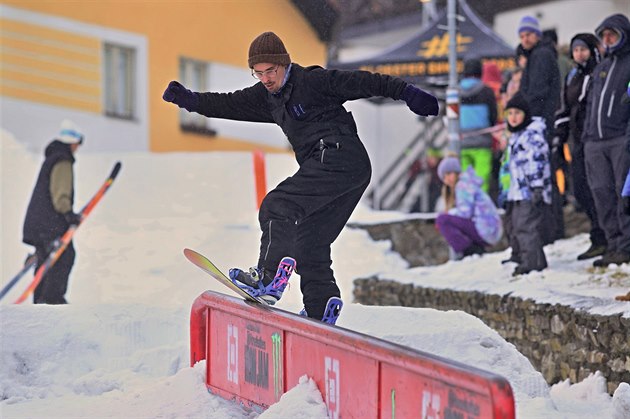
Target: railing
[255, 353]
[390, 190]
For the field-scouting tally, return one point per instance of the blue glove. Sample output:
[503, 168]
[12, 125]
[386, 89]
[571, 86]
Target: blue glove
[182, 97]
[420, 102]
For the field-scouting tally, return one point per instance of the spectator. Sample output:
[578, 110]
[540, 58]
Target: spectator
[491, 76]
[530, 185]
[478, 111]
[512, 86]
[471, 221]
[569, 126]
[49, 213]
[606, 136]
[565, 65]
[625, 197]
[540, 85]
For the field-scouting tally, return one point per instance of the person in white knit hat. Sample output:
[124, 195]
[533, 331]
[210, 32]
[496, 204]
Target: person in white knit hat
[50, 212]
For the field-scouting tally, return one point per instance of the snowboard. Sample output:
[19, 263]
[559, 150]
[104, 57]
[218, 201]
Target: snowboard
[207, 266]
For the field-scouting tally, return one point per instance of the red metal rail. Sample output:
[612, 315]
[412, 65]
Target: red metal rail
[255, 354]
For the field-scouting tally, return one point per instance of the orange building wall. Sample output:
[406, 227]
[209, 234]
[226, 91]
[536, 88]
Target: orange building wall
[212, 31]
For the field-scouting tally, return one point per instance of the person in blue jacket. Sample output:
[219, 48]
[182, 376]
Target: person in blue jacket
[625, 197]
[606, 136]
[305, 213]
[478, 110]
[471, 221]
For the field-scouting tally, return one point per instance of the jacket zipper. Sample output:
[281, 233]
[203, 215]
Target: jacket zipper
[322, 147]
[601, 99]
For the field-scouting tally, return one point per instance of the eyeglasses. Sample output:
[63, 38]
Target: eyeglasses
[267, 73]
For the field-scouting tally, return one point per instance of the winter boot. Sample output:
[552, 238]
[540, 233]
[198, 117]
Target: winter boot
[332, 311]
[262, 283]
[474, 249]
[607, 259]
[593, 251]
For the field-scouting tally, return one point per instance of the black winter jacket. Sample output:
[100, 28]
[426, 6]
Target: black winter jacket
[309, 106]
[572, 115]
[42, 223]
[608, 107]
[540, 83]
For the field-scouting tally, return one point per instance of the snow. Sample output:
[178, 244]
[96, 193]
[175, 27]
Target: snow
[120, 348]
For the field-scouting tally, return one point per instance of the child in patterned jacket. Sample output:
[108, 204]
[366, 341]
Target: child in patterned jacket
[530, 185]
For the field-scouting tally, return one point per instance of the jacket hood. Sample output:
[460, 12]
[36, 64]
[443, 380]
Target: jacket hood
[470, 176]
[593, 43]
[537, 124]
[621, 24]
[58, 147]
[470, 86]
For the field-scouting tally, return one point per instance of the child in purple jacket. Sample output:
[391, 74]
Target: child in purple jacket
[471, 221]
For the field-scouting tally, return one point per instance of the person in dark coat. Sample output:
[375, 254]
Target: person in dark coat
[606, 137]
[540, 85]
[306, 212]
[569, 127]
[50, 214]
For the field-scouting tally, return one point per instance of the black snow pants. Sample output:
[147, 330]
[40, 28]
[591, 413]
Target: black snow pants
[305, 213]
[53, 286]
[526, 232]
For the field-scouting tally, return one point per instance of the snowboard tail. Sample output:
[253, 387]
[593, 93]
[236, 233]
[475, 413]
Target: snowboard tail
[284, 271]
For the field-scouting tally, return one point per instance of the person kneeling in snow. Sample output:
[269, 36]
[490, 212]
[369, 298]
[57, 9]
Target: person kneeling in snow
[471, 221]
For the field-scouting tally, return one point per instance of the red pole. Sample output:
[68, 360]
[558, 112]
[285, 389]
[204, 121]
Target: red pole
[260, 176]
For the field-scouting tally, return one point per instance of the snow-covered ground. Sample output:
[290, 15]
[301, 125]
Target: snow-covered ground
[120, 349]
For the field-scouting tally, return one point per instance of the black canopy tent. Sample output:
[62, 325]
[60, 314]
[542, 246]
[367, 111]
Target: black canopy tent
[423, 58]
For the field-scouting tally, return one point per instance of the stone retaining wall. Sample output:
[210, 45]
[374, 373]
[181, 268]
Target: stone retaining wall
[559, 341]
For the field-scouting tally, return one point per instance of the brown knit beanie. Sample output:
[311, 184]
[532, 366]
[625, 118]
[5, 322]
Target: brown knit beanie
[268, 48]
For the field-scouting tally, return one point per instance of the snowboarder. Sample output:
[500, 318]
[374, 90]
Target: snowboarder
[49, 213]
[305, 213]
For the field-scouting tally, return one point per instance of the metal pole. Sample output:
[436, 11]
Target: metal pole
[452, 91]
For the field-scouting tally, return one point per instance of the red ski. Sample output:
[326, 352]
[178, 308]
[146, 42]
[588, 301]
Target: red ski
[62, 243]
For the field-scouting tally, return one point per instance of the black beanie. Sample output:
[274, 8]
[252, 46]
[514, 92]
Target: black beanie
[268, 48]
[472, 68]
[518, 101]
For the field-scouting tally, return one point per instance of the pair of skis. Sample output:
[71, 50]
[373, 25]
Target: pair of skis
[59, 245]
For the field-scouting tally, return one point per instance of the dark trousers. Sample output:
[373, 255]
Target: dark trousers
[607, 164]
[583, 195]
[459, 232]
[53, 286]
[526, 233]
[305, 213]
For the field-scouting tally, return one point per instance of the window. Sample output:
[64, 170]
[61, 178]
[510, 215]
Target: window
[120, 70]
[194, 75]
